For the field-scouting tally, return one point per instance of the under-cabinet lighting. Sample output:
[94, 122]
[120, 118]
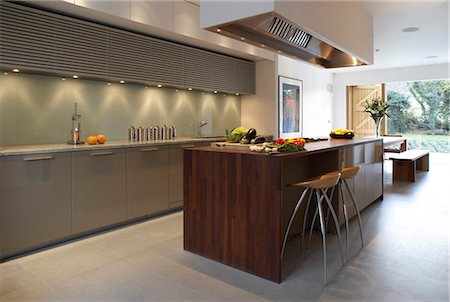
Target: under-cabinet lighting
[109, 84]
[189, 88]
[16, 70]
[146, 87]
[218, 30]
[176, 90]
[63, 78]
[75, 77]
[215, 91]
[122, 82]
[242, 38]
[237, 93]
[159, 85]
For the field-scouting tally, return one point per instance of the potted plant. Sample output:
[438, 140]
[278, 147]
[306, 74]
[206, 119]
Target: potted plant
[377, 109]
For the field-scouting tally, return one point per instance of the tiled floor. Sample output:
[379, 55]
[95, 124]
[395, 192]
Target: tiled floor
[405, 259]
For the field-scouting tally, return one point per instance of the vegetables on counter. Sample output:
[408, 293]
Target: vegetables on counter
[235, 135]
[281, 145]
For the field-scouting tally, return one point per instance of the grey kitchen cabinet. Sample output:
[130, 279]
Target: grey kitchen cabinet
[147, 180]
[37, 40]
[98, 189]
[176, 172]
[35, 201]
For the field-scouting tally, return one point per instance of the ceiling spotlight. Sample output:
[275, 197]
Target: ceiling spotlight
[189, 88]
[75, 77]
[242, 38]
[215, 91]
[159, 85]
[218, 30]
[15, 70]
[410, 29]
[237, 93]
[262, 45]
[122, 82]
[431, 57]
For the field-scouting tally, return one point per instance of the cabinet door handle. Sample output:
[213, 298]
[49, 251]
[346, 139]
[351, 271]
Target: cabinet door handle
[187, 146]
[44, 157]
[101, 153]
[149, 149]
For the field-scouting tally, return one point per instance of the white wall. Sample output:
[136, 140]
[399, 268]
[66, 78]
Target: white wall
[342, 80]
[317, 100]
[260, 111]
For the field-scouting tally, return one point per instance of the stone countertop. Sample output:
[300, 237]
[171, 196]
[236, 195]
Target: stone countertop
[313, 147]
[52, 148]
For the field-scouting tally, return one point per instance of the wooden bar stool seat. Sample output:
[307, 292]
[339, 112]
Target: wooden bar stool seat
[318, 187]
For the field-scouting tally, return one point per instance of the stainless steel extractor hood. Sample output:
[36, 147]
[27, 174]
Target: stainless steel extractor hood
[271, 30]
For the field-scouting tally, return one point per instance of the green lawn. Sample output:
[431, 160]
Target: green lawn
[434, 143]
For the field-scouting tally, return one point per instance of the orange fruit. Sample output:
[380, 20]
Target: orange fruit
[101, 139]
[91, 140]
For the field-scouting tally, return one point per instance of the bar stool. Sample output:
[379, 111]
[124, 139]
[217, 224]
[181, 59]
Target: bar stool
[318, 187]
[346, 173]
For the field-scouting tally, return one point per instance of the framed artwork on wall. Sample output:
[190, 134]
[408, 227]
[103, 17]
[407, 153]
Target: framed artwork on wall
[290, 107]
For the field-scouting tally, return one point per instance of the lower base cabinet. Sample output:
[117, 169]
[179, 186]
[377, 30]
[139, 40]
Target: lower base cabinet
[147, 180]
[176, 172]
[35, 201]
[98, 189]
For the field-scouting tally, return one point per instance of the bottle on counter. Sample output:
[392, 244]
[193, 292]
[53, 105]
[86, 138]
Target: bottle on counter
[149, 133]
[174, 132]
[131, 134]
[140, 134]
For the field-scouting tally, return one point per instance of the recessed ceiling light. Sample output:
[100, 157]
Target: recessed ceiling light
[431, 57]
[262, 45]
[189, 88]
[410, 29]
[237, 93]
[218, 30]
[15, 70]
[122, 82]
[75, 77]
[215, 91]
[242, 38]
[159, 85]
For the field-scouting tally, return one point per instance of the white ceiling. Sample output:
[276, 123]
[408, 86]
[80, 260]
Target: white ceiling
[401, 49]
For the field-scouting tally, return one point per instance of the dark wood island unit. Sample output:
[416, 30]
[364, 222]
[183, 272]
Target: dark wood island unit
[237, 202]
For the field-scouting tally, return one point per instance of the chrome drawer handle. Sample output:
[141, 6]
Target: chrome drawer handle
[187, 146]
[47, 157]
[149, 149]
[101, 153]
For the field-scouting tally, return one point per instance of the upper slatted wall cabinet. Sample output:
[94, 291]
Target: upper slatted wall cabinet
[40, 41]
[140, 58]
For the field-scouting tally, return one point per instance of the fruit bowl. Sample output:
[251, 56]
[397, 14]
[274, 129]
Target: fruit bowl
[348, 135]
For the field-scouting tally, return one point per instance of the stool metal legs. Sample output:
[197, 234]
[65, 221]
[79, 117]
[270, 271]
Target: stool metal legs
[320, 195]
[355, 204]
[291, 220]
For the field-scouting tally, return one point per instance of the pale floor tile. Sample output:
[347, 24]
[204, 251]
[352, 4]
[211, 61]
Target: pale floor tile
[405, 259]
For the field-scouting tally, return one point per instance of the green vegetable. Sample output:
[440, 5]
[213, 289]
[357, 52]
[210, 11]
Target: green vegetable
[290, 147]
[236, 134]
[245, 141]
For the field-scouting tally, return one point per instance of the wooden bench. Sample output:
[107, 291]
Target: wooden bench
[406, 163]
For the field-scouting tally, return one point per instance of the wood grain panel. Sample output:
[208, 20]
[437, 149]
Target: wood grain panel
[232, 210]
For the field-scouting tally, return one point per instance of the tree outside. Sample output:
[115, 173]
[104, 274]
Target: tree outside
[421, 112]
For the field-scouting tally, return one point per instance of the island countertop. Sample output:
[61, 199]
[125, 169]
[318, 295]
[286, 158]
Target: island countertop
[312, 147]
